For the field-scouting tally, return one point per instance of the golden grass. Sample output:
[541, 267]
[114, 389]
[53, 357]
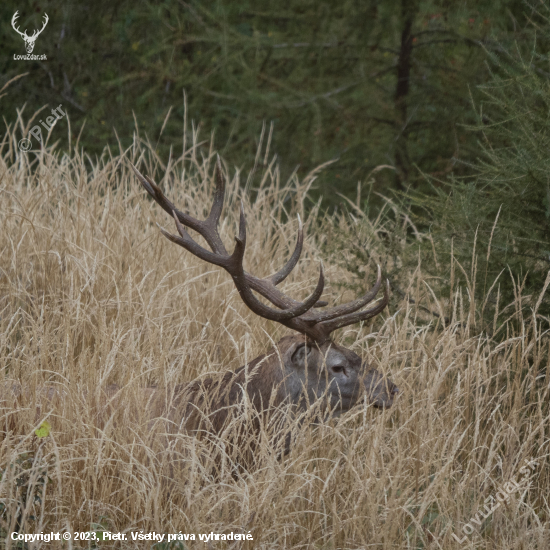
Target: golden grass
[91, 294]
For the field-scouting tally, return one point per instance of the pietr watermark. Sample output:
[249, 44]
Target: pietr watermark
[502, 495]
[25, 144]
[29, 40]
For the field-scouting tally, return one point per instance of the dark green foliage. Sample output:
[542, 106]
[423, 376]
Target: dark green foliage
[369, 82]
[504, 210]
[489, 233]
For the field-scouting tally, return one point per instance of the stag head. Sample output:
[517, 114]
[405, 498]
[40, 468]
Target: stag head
[331, 375]
[29, 40]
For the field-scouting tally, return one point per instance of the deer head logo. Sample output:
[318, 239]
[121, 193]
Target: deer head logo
[29, 40]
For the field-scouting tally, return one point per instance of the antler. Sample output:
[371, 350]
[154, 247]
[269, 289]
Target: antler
[291, 313]
[24, 34]
[16, 29]
[46, 19]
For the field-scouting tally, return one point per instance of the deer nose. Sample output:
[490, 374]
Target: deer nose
[395, 390]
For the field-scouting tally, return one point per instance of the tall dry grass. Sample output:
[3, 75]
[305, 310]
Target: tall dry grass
[91, 294]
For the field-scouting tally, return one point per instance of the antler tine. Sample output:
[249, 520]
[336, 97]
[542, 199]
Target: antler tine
[204, 228]
[247, 296]
[13, 21]
[156, 193]
[267, 286]
[190, 245]
[46, 19]
[242, 279]
[36, 32]
[350, 307]
[210, 225]
[242, 282]
[219, 196]
[284, 272]
[350, 319]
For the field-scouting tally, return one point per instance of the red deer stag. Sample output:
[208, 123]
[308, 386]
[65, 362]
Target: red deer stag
[303, 368]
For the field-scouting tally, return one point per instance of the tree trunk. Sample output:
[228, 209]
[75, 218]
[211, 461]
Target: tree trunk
[402, 161]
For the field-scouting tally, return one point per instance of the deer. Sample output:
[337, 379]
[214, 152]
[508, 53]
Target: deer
[303, 370]
[29, 40]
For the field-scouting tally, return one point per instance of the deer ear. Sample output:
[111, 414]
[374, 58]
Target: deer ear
[301, 355]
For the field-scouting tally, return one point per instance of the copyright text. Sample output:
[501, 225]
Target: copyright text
[133, 535]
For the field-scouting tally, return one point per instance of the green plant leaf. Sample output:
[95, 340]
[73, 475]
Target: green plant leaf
[43, 430]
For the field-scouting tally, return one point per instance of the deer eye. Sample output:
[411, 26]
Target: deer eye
[338, 370]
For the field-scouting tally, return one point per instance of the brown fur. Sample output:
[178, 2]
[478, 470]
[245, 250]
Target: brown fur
[278, 377]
